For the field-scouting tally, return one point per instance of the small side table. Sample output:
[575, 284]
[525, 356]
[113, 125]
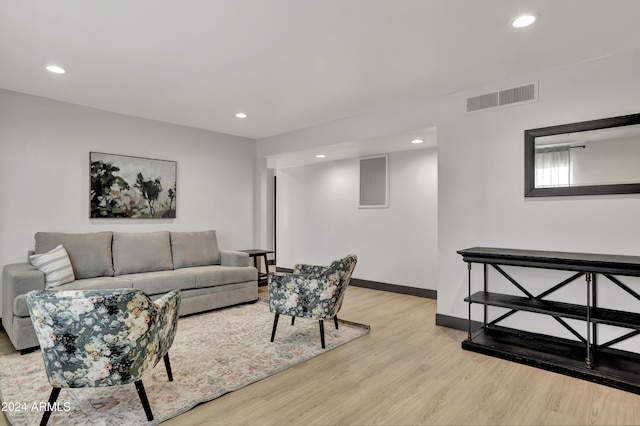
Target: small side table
[255, 253]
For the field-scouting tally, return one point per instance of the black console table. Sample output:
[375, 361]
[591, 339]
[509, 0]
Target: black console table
[585, 357]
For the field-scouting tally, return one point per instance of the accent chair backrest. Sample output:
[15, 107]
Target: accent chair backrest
[100, 337]
[342, 269]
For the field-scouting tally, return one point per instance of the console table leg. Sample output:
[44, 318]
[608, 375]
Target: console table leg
[469, 285]
[486, 289]
[594, 326]
[588, 360]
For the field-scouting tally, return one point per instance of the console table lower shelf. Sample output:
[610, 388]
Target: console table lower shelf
[611, 367]
[590, 356]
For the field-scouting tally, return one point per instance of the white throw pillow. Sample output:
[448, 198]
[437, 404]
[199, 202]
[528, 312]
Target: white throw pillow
[56, 266]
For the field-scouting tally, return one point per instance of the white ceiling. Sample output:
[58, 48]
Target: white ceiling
[357, 148]
[290, 64]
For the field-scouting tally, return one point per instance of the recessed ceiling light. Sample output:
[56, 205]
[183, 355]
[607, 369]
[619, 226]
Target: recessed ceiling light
[241, 115]
[417, 141]
[523, 21]
[320, 156]
[56, 69]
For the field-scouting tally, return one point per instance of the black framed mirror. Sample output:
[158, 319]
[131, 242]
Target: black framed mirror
[587, 158]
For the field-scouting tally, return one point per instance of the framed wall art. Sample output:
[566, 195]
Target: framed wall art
[131, 187]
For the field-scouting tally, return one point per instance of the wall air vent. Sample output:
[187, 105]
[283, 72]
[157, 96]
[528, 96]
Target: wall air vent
[503, 98]
[490, 100]
[374, 182]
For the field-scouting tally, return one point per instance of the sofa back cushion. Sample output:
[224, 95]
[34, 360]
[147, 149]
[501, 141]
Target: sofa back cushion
[89, 253]
[135, 252]
[194, 249]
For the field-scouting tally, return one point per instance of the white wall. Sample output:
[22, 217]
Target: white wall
[480, 170]
[44, 173]
[318, 219]
[481, 177]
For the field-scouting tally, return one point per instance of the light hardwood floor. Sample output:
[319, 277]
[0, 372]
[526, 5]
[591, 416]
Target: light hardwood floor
[408, 371]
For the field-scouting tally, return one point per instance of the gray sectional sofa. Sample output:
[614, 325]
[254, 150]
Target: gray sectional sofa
[155, 262]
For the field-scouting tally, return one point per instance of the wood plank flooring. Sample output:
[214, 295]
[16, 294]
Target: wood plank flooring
[407, 371]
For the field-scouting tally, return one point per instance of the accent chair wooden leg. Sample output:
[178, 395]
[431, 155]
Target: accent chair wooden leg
[167, 365]
[335, 321]
[293, 320]
[143, 398]
[52, 399]
[275, 325]
[322, 333]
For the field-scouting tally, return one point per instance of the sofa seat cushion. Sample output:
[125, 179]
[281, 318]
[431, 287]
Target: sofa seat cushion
[215, 275]
[90, 253]
[99, 283]
[194, 249]
[160, 282]
[135, 252]
[206, 299]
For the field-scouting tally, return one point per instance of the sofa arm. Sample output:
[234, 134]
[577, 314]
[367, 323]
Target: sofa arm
[17, 279]
[20, 278]
[234, 258]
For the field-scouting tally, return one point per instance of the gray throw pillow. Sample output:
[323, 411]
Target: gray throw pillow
[89, 253]
[141, 252]
[194, 249]
[55, 265]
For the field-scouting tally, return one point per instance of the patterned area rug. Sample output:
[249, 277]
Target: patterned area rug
[213, 354]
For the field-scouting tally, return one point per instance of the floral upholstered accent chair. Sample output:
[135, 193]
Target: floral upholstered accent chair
[96, 338]
[311, 292]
